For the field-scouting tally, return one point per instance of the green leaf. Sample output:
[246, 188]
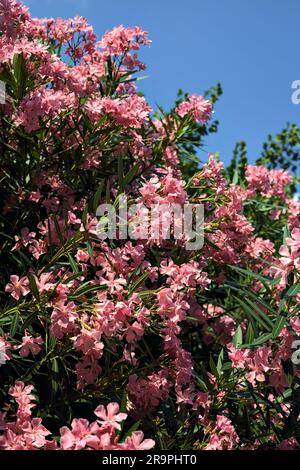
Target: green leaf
[258, 341]
[133, 428]
[107, 193]
[213, 367]
[254, 275]
[17, 66]
[122, 410]
[90, 248]
[131, 174]
[123, 405]
[261, 301]
[86, 289]
[97, 196]
[235, 177]
[33, 287]
[252, 314]
[14, 324]
[19, 71]
[73, 263]
[279, 324]
[54, 376]
[85, 214]
[31, 317]
[293, 290]
[250, 334]
[57, 228]
[73, 241]
[8, 312]
[238, 336]
[260, 312]
[72, 277]
[121, 173]
[138, 283]
[220, 361]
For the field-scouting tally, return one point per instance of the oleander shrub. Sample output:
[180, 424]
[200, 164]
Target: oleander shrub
[113, 343]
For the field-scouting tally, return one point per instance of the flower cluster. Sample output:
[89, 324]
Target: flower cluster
[28, 433]
[197, 107]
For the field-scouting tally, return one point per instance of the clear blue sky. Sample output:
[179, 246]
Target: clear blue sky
[250, 46]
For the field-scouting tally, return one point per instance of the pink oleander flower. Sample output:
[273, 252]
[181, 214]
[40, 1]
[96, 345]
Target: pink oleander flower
[132, 111]
[11, 13]
[199, 108]
[89, 343]
[5, 350]
[268, 183]
[12, 441]
[110, 416]
[87, 370]
[259, 364]
[82, 434]
[28, 433]
[137, 442]
[24, 399]
[238, 357]
[35, 196]
[289, 444]
[44, 283]
[43, 103]
[294, 240]
[121, 40]
[20, 391]
[35, 433]
[223, 435]
[30, 344]
[17, 287]
[63, 319]
[147, 393]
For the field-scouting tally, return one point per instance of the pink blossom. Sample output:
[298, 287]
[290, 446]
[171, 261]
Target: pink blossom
[30, 344]
[80, 435]
[137, 442]
[132, 111]
[5, 350]
[199, 108]
[121, 40]
[17, 287]
[223, 436]
[89, 343]
[35, 433]
[110, 417]
[268, 183]
[21, 391]
[63, 319]
[294, 240]
[87, 371]
[43, 103]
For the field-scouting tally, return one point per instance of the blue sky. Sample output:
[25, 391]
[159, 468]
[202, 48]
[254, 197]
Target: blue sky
[250, 46]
